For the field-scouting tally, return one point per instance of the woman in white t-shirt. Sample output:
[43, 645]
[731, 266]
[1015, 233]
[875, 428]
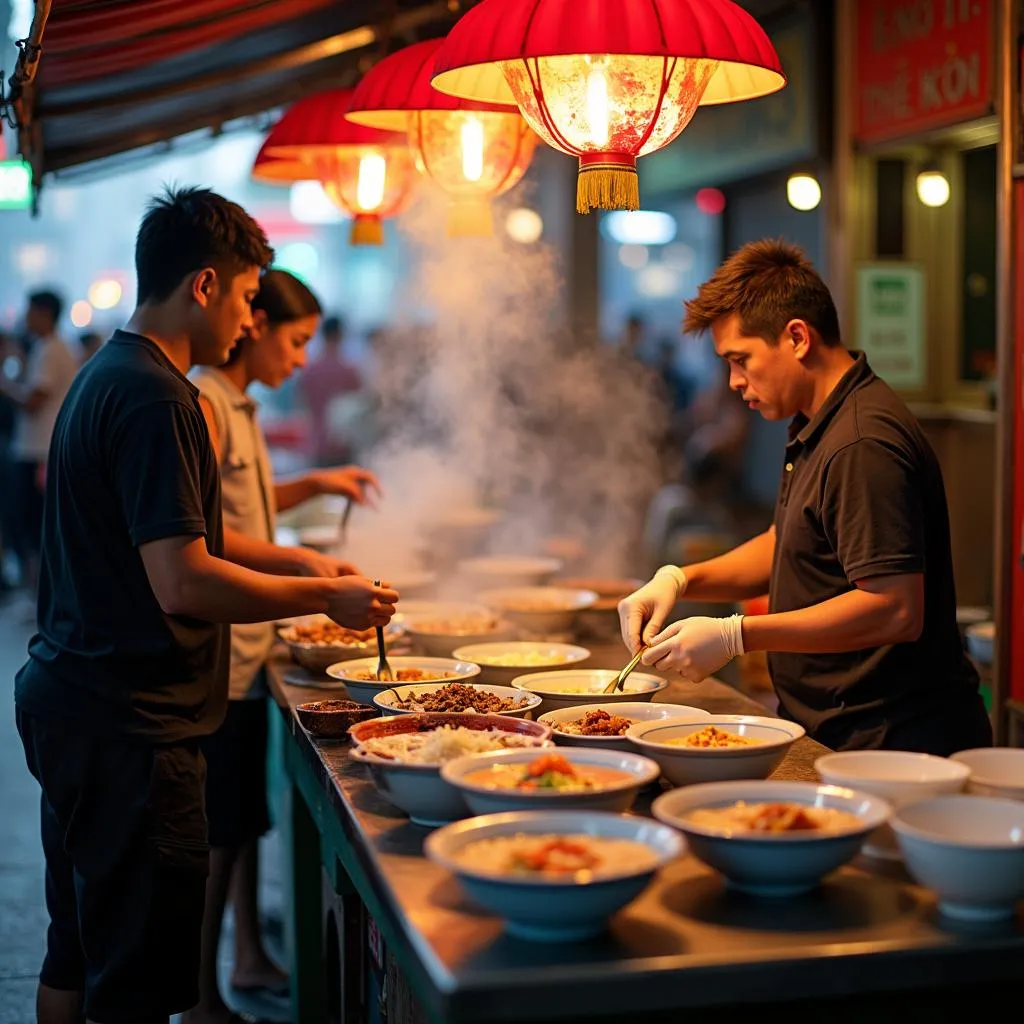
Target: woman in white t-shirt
[286, 316]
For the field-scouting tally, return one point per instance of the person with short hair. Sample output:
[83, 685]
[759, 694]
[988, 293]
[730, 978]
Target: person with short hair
[285, 317]
[861, 635]
[129, 668]
[49, 370]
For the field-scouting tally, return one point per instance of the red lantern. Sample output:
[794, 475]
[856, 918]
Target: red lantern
[270, 170]
[608, 81]
[369, 174]
[473, 151]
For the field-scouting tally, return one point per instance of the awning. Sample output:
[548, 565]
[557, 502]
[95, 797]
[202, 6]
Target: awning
[117, 75]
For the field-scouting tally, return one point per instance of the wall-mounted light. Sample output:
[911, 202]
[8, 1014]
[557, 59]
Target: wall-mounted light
[803, 192]
[932, 186]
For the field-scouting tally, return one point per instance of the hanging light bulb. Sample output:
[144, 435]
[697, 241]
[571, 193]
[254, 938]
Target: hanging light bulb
[597, 107]
[373, 170]
[933, 186]
[472, 138]
[803, 192]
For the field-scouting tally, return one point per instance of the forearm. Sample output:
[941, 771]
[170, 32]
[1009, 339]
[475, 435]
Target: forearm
[737, 575]
[217, 590]
[261, 555]
[850, 622]
[290, 493]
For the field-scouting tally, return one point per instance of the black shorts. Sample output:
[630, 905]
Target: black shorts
[236, 775]
[124, 836]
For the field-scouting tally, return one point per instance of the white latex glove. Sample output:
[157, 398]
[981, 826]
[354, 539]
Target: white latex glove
[642, 615]
[696, 647]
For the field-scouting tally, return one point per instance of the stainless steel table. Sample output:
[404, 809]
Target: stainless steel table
[866, 943]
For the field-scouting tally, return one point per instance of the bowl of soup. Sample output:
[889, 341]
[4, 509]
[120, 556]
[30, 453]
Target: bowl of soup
[716, 749]
[606, 725]
[506, 661]
[539, 610]
[772, 838]
[360, 676]
[518, 780]
[570, 688]
[554, 876]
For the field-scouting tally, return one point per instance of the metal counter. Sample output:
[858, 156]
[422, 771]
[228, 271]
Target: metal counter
[868, 941]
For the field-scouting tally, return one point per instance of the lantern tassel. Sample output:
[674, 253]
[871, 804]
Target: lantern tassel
[607, 186]
[470, 219]
[367, 230]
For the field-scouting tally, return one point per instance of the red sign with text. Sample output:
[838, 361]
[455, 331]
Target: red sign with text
[921, 64]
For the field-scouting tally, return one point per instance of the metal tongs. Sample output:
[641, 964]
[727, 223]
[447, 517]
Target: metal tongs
[619, 681]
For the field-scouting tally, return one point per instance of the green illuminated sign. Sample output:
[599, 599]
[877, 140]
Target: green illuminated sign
[15, 185]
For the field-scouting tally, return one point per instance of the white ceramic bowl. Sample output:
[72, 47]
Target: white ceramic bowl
[508, 571]
[554, 910]
[318, 657]
[617, 796]
[897, 776]
[526, 703]
[602, 617]
[995, 771]
[684, 766]
[462, 625]
[981, 639]
[418, 789]
[539, 610]
[412, 583]
[633, 710]
[364, 690]
[523, 656]
[580, 688]
[969, 850]
[771, 863]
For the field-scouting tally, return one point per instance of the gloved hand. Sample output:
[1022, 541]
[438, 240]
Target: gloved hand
[696, 647]
[643, 613]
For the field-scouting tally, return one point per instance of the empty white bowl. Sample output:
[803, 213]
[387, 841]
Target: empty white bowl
[571, 688]
[995, 771]
[539, 609]
[771, 863]
[684, 766]
[554, 909]
[504, 661]
[508, 571]
[969, 850]
[635, 711]
[525, 703]
[898, 777]
[617, 795]
[444, 626]
[364, 690]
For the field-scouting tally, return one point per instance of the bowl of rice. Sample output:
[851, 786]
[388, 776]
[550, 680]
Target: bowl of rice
[315, 641]
[404, 755]
[500, 663]
[457, 698]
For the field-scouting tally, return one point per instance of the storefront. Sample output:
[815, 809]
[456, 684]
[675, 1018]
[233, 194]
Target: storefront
[922, 227]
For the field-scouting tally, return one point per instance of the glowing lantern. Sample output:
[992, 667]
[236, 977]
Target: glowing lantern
[367, 173]
[270, 170]
[473, 151]
[607, 81]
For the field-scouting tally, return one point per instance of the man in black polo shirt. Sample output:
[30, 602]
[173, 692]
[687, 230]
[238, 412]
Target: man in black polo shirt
[129, 667]
[862, 638]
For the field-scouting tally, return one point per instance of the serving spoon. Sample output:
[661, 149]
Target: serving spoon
[618, 682]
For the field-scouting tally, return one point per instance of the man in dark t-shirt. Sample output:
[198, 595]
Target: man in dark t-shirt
[129, 666]
[861, 635]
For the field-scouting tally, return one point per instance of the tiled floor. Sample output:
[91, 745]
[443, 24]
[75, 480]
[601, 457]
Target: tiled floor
[22, 910]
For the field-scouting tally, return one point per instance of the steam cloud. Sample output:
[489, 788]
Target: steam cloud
[495, 403]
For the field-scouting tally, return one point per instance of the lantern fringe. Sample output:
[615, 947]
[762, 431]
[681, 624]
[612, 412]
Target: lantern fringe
[607, 187]
[367, 231]
[472, 219]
